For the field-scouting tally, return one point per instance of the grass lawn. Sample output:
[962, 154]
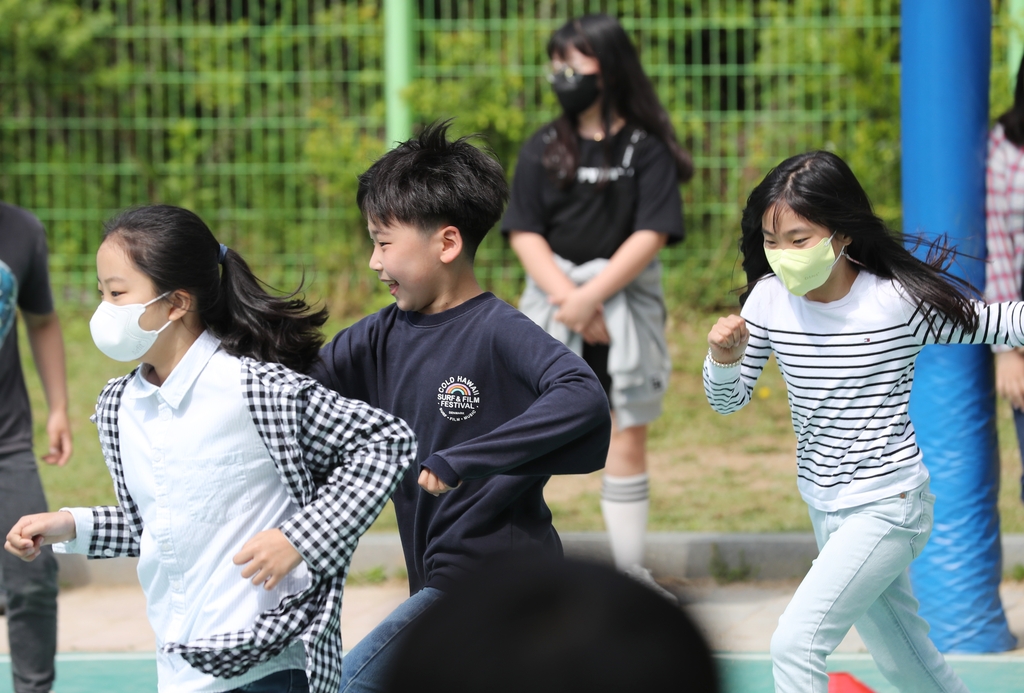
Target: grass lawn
[709, 472]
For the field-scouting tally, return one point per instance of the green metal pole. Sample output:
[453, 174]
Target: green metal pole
[1015, 46]
[398, 62]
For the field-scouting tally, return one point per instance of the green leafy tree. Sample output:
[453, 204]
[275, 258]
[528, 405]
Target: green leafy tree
[43, 37]
[475, 87]
[831, 84]
[260, 115]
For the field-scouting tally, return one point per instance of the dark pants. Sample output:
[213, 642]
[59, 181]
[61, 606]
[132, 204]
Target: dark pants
[31, 587]
[1018, 420]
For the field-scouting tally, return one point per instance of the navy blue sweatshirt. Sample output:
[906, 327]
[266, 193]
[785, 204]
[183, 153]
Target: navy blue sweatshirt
[496, 403]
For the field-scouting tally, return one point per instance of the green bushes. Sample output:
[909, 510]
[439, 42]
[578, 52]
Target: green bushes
[260, 115]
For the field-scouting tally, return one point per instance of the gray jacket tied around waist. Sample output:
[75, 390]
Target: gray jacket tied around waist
[638, 359]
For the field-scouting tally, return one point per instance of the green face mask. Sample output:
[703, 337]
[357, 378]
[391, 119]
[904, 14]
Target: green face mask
[803, 270]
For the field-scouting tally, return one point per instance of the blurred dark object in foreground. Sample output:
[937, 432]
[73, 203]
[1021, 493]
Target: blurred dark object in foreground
[531, 624]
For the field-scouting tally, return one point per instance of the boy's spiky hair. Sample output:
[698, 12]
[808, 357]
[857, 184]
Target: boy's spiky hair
[430, 181]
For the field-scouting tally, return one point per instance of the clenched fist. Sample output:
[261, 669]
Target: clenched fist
[32, 532]
[728, 339]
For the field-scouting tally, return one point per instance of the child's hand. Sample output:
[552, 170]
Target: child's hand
[432, 484]
[1010, 378]
[32, 532]
[596, 331]
[558, 297]
[270, 556]
[578, 309]
[728, 339]
[59, 431]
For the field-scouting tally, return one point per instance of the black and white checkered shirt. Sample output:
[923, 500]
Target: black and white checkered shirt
[340, 460]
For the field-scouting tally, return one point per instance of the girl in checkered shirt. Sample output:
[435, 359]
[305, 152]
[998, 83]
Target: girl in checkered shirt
[242, 485]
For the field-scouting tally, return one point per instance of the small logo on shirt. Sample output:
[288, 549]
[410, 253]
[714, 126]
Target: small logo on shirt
[458, 398]
[593, 174]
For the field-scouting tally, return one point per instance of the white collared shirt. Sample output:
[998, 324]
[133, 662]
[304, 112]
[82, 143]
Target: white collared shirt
[205, 484]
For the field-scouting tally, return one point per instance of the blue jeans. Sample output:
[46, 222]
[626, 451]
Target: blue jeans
[365, 668]
[286, 681]
[860, 577]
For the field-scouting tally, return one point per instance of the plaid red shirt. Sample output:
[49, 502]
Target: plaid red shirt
[1004, 220]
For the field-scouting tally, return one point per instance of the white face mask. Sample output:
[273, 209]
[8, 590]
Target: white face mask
[117, 333]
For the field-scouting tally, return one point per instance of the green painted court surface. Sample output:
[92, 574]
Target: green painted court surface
[743, 673]
[96, 673]
[981, 673]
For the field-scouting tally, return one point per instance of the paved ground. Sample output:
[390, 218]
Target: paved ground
[736, 618]
[742, 617]
[113, 618]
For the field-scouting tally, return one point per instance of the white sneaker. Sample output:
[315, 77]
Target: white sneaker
[644, 577]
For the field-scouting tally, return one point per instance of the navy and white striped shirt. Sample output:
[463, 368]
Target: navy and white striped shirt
[849, 367]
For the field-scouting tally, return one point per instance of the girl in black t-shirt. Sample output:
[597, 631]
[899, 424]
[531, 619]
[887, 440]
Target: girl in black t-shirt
[595, 197]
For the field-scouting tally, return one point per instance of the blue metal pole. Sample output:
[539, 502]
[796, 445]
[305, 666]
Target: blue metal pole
[946, 53]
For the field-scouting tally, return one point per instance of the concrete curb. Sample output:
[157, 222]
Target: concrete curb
[671, 554]
[710, 554]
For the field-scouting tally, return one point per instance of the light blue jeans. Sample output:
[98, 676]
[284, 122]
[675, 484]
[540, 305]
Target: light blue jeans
[365, 669]
[860, 577]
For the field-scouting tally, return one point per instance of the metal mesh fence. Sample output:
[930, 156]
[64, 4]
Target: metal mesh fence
[259, 114]
[746, 82]
[215, 106]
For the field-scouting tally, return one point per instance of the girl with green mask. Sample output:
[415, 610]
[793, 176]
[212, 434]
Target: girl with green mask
[846, 309]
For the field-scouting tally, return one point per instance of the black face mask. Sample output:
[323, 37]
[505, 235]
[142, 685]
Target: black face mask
[575, 92]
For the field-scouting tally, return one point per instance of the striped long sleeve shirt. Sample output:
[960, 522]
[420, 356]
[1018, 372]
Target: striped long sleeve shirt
[849, 367]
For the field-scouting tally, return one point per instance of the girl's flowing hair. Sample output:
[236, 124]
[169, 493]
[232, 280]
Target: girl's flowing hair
[822, 189]
[176, 250]
[626, 90]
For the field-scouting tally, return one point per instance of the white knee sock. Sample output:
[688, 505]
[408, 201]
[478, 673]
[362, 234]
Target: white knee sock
[624, 503]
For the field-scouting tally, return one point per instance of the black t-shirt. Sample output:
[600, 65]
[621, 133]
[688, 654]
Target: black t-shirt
[595, 214]
[25, 284]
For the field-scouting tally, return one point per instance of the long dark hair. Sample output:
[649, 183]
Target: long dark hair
[1013, 120]
[176, 250]
[626, 91]
[822, 189]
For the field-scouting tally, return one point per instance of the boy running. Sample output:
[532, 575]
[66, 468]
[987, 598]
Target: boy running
[496, 404]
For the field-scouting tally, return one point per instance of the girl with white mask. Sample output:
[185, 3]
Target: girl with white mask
[846, 308]
[242, 485]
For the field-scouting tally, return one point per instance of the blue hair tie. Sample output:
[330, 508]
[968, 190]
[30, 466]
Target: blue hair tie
[223, 254]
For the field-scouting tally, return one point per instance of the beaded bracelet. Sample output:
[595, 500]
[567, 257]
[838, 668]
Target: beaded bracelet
[711, 358]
